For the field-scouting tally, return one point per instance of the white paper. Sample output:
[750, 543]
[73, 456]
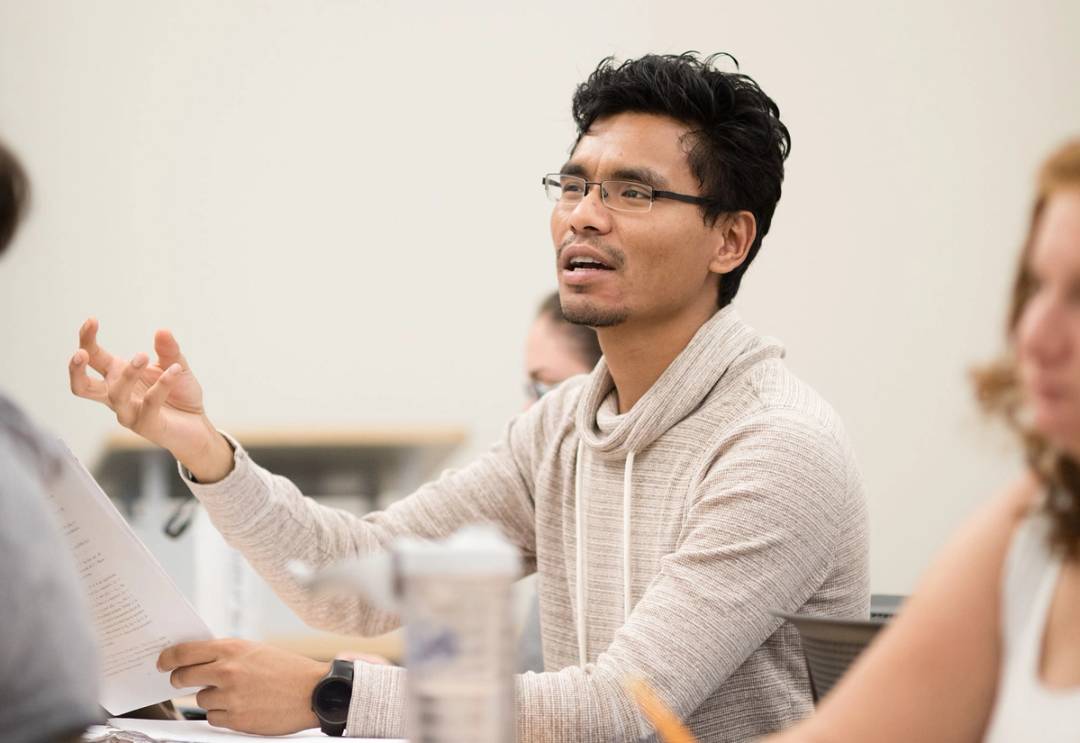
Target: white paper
[199, 731]
[136, 607]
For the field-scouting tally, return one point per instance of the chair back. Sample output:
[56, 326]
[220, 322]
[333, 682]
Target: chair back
[885, 605]
[831, 645]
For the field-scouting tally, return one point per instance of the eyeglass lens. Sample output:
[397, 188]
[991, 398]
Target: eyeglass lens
[621, 195]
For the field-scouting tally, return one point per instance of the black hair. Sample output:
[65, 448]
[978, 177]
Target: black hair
[738, 143]
[583, 337]
[14, 193]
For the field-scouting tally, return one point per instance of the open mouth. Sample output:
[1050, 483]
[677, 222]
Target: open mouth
[586, 264]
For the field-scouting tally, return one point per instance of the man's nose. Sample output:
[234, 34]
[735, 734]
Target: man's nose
[590, 213]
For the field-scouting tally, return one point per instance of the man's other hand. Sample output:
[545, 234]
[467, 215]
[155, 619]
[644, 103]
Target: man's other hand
[250, 687]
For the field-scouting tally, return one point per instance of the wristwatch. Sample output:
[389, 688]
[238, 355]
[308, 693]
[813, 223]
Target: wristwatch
[330, 700]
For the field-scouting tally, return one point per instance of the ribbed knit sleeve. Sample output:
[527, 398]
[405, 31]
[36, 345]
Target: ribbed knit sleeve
[377, 707]
[272, 523]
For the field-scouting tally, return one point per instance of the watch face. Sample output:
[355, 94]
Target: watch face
[332, 701]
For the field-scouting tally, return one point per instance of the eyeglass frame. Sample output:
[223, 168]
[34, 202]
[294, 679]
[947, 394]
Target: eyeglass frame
[656, 192]
[535, 389]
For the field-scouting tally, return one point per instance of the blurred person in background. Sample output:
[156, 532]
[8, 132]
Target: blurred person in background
[556, 349]
[48, 653]
[987, 648]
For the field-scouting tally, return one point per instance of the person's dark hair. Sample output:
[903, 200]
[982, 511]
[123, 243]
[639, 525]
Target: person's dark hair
[14, 193]
[582, 336]
[738, 143]
[998, 384]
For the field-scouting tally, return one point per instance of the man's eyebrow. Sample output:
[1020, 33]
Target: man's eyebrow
[644, 175]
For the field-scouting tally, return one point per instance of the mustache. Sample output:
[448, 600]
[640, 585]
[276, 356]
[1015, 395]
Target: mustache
[612, 255]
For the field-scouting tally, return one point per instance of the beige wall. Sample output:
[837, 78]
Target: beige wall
[276, 182]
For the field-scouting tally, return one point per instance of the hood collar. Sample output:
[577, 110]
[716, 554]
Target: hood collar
[721, 348]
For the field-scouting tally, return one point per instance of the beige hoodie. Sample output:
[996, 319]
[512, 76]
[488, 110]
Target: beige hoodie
[728, 490]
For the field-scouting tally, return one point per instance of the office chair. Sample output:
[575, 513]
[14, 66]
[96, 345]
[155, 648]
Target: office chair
[830, 645]
[885, 605]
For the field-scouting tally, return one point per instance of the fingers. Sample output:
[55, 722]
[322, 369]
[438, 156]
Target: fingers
[218, 718]
[98, 357]
[168, 350]
[81, 383]
[189, 654]
[203, 674]
[211, 698]
[150, 374]
[117, 389]
[159, 391]
[121, 392]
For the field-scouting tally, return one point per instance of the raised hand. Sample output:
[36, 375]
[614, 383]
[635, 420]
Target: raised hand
[161, 401]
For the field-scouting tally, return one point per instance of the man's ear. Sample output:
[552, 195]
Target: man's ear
[735, 233]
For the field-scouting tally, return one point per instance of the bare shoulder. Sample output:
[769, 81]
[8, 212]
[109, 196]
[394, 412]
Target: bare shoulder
[1021, 495]
[978, 549]
[1010, 506]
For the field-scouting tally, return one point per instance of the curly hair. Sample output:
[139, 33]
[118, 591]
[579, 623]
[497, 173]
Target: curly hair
[14, 193]
[998, 386]
[737, 142]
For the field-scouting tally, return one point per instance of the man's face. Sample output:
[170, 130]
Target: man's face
[657, 263]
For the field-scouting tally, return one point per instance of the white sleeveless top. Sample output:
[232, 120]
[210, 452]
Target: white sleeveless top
[1025, 709]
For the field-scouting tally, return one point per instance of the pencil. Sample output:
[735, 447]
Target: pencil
[663, 720]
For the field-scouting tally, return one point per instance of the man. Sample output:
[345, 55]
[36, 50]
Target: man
[669, 500]
[48, 654]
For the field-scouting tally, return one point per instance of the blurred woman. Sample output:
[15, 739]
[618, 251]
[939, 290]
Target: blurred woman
[988, 647]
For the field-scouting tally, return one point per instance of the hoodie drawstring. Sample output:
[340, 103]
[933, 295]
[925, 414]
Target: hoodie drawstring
[581, 533]
[579, 507]
[628, 474]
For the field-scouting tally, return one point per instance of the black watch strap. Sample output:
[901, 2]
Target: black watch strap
[331, 697]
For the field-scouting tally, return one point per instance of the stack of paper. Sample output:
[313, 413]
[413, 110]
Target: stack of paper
[192, 731]
[136, 607]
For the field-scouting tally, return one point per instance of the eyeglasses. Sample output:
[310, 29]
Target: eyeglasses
[536, 389]
[622, 196]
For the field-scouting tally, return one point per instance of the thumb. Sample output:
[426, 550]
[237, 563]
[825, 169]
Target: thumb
[168, 350]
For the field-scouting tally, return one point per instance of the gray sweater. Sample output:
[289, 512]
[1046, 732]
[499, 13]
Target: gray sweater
[49, 671]
[738, 490]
